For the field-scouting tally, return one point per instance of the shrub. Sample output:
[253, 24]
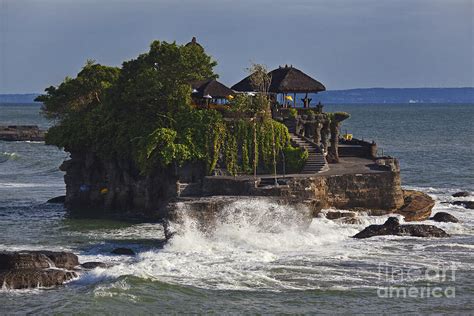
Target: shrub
[295, 159]
[293, 112]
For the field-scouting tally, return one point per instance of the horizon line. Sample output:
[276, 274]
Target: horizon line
[347, 89]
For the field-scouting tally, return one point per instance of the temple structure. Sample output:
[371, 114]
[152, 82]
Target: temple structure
[340, 172]
[211, 91]
[285, 81]
[309, 126]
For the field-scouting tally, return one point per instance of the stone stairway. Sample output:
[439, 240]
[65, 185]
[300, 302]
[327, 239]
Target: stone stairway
[316, 161]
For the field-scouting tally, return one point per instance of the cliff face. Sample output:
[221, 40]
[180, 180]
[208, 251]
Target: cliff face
[372, 191]
[99, 188]
[379, 191]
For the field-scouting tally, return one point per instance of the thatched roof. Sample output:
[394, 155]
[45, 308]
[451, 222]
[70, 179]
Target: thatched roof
[285, 79]
[210, 87]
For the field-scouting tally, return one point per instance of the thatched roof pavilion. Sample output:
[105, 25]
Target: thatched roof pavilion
[285, 80]
[210, 91]
[210, 87]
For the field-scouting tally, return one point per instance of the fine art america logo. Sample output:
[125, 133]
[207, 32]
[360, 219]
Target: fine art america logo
[423, 282]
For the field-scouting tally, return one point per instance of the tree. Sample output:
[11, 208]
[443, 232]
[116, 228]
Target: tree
[260, 80]
[153, 92]
[79, 94]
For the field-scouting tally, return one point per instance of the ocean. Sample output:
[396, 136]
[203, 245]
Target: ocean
[253, 262]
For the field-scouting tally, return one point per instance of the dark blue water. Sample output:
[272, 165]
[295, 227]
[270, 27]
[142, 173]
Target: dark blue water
[432, 141]
[242, 268]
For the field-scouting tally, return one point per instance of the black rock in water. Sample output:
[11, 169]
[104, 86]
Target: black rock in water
[466, 204]
[461, 194]
[392, 227]
[37, 260]
[21, 133]
[30, 269]
[444, 217]
[123, 251]
[33, 278]
[93, 264]
[57, 200]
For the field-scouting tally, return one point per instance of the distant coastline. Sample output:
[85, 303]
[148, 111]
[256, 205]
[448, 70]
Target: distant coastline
[365, 95]
[399, 95]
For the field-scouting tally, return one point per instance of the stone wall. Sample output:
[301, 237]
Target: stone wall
[371, 191]
[381, 190]
[116, 187]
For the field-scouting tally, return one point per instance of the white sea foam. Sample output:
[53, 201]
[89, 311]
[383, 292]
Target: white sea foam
[257, 244]
[254, 246]
[24, 185]
[8, 156]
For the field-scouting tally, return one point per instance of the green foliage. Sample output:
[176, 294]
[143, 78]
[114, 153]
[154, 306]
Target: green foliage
[160, 148]
[79, 94]
[293, 112]
[249, 106]
[295, 159]
[239, 146]
[338, 117]
[141, 112]
[260, 78]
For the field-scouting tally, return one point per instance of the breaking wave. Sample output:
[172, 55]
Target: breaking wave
[8, 156]
[256, 245]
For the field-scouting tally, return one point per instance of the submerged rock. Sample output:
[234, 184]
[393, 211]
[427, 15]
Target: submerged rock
[21, 133]
[444, 217]
[392, 227]
[32, 278]
[123, 251]
[339, 214]
[93, 264]
[351, 220]
[37, 260]
[30, 269]
[57, 200]
[466, 204]
[461, 194]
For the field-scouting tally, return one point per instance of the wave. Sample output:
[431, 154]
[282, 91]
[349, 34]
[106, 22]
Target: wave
[256, 245]
[24, 185]
[8, 156]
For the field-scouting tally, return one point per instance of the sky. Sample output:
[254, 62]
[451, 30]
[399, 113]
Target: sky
[342, 43]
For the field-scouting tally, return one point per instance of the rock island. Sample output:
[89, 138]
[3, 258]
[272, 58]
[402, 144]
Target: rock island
[162, 130]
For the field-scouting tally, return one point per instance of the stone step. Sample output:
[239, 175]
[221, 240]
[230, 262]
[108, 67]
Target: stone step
[316, 161]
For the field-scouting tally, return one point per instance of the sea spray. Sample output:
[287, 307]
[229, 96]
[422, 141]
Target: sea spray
[259, 213]
[254, 243]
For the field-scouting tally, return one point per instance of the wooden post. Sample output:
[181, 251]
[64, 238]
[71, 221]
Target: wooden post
[255, 148]
[294, 99]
